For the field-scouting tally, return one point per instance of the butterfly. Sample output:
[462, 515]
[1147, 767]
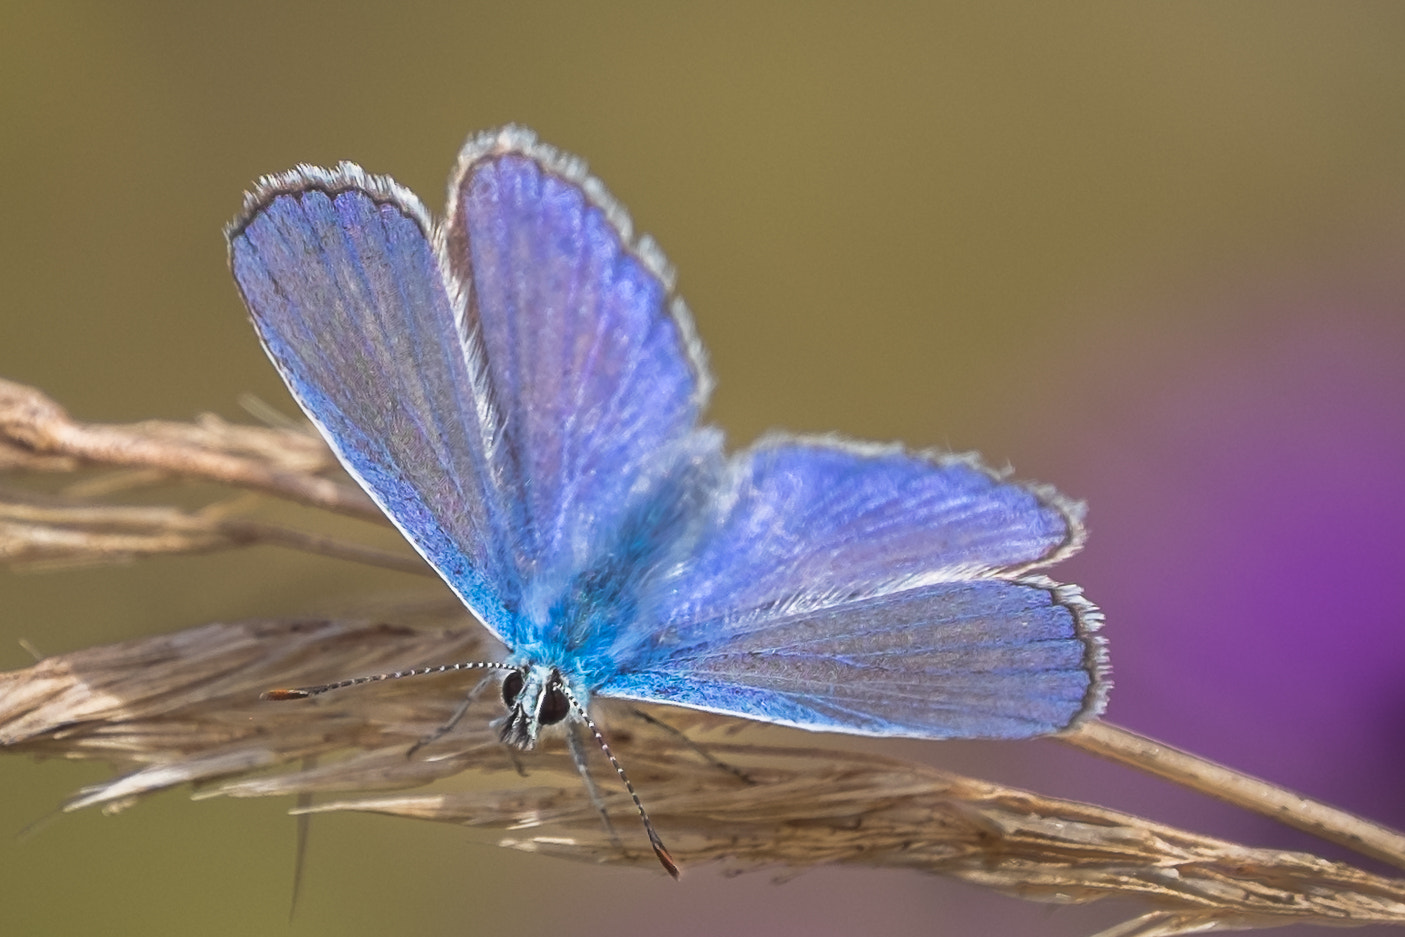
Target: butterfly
[520, 389]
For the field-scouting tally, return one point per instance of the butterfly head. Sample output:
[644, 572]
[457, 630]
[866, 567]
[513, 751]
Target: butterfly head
[535, 696]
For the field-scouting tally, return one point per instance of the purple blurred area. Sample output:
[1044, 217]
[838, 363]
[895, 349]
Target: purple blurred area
[1248, 513]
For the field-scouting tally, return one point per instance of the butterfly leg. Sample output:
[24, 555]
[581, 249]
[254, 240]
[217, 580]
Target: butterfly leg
[453, 720]
[578, 755]
[304, 832]
[700, 750]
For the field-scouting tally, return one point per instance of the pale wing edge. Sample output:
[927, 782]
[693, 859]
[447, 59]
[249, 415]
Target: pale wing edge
[344, 177]
[1072, 510]
[518, 140]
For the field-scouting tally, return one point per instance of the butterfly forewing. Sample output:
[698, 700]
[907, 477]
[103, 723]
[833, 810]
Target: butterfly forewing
[342, 282]
[596, 380]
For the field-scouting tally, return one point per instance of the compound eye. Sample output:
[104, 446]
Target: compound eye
[554, 706]
[511, 687]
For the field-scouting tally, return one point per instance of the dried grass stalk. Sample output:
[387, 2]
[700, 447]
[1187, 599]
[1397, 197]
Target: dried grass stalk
[36, 434]
[185, 709]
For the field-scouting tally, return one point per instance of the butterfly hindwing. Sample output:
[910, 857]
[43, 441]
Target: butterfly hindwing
[988, 658]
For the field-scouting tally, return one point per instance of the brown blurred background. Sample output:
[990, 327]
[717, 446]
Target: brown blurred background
[1150, 254]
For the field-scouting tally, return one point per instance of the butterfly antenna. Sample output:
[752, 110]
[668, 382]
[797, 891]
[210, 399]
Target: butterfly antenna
[665, 859]
[303, 692]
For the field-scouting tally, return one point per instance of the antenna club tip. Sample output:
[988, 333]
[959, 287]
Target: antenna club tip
[284, 694]
[666, 860]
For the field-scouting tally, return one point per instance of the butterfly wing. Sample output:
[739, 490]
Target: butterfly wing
[344, 287]
[980, 659]
[597, 380]
[518, 391]
[868, 590]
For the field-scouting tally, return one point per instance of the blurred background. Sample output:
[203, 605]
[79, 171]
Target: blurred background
[1149, 254]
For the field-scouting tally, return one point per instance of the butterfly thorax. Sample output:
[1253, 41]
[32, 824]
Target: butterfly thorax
[569, 629]
[571, 624]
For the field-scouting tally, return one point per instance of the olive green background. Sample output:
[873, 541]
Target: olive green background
[973, 226]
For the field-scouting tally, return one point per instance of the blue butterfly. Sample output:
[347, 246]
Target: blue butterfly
[519, 388]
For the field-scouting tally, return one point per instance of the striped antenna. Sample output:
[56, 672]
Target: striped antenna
[660, 850]
[303, 692]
